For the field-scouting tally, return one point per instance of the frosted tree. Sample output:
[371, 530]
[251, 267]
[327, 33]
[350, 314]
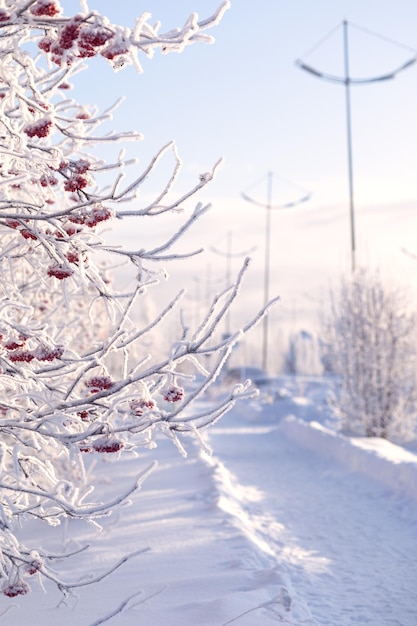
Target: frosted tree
[76, 377]
[371, 344]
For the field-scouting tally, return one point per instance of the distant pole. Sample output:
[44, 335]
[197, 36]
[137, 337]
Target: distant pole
[268, 206]
[267, 269]
[347, 81]
[228, 277]
[349, 147]
[229, 255]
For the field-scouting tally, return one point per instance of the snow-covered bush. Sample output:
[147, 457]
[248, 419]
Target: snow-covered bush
[76, 376]
[371, 344]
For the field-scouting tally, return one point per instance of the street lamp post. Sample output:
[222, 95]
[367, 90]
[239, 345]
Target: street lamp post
[347, 81]
[269, 207]
[229, 256]
[267, 268]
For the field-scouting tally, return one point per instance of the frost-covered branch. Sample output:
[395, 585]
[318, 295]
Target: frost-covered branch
[83, 372]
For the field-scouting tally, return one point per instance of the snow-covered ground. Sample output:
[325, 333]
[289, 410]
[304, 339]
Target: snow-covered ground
[286, 522]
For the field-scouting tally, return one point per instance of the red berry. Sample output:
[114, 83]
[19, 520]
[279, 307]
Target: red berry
[18, 588]
[45, 353]
[85, 51]
[50, 8]
[70, 230]
[174, 394]
[57, 59]
[4, 16]
[34, 567]
[137, 406]
[62, 166]
[94, 38]
[59, 271]
[99, 383]
[77, 219]
[74, 257]
[75, 183]
[21, 356]
[13, 345]
[98, 214]
[81, 166]
[28, 234]
[108, 447]
[45, 43]
[48, 180]
[13, 223]
[69, 33]
[41, 128]
[114, 49]
[84, 415]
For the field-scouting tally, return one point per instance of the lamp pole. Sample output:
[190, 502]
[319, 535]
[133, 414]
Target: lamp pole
[267, 269]
[229, 255]
[347, 81]
[349, 146]
[267, 264]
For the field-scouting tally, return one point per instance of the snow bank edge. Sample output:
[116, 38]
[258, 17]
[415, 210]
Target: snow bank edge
[381, 460]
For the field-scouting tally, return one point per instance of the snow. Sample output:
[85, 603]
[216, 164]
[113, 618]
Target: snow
[288, 522]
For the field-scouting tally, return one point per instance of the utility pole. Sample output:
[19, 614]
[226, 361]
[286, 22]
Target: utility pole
[228, 278]
[347, 81]
[269, 207]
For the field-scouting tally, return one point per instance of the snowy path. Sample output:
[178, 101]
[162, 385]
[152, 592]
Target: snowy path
[286, 523]
[349, 545]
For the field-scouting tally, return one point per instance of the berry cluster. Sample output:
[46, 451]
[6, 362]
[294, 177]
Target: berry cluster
[18, 352]
[79, 39]
[48, 8]
[174, 394]
[18, 588]
[69, 33]
[41, 128]
[21, 356]
[47, 353]
[76, 183]
[45, 43]
[59, 271]
[74, 257]
[106, 446]
[114, 50]
[48, 181]
[138, 405]
[99, 383]
[92, 218]
[12, 344]
[13, 224]
[93, 38]
[34, 567]
[68, 229]
[76, 174]
[26, 233]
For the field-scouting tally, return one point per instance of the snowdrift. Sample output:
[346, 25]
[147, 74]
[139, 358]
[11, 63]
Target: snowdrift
[380, 460]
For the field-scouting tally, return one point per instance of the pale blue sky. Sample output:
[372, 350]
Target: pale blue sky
[244, 99]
